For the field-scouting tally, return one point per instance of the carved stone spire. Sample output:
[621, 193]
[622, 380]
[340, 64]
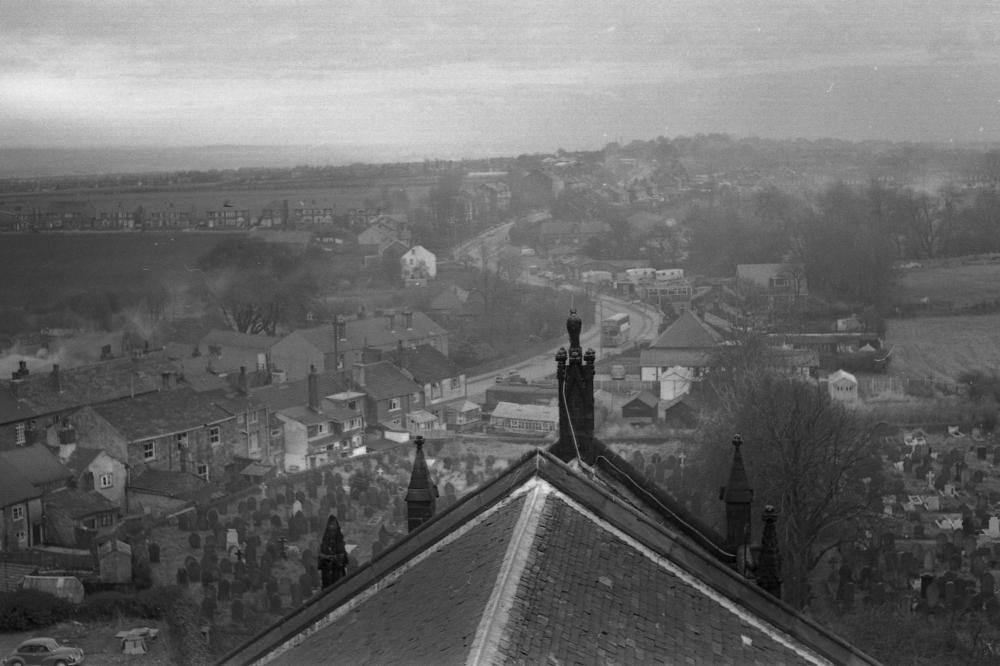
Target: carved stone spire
[575, 376]
[769, 561]
[738, 496]
[421, 495]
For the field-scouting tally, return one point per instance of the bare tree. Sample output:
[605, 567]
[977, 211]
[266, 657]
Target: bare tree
[810, 457]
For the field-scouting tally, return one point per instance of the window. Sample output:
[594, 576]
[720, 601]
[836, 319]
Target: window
[253, 443]
[107, 480]
[252, 417]
[182, 440]
[456, 383]
[22, 537]
[393, 404]
[214, 436]
[17, 513]
[202, 470]
[354, 424]
[107, 519]
[353, 405]
[149, 451]
[19, 431]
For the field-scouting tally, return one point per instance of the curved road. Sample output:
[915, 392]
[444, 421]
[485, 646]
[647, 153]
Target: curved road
[644, 319]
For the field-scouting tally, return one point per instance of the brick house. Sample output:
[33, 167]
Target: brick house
[390, 394]
[442, 383]
[20, 510]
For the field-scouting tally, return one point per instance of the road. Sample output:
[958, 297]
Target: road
[644, 319]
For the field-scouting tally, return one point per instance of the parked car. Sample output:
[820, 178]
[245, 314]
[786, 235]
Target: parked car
[43, 652]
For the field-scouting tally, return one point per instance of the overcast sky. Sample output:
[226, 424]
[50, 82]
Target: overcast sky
[485, 75]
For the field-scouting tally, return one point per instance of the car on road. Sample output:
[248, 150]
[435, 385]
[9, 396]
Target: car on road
[43, 652]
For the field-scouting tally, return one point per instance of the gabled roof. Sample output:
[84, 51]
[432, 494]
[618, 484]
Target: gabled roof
[373, 331]
[161, 413]
[178, 485]
[647, 398]
[222, 338]
[14, 488]
[36, 464]
[424, 363]
[384, 380]
[669, 358]
[688, 332]
[545, 564]
[78, 504]
[277, 397]
[84, 385]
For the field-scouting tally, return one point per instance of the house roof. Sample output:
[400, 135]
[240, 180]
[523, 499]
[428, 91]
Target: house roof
[36, 464]
[842, 375]
[688, 332]
[277, 397]
[162, 413]
[374, 331]
[513, 410]
[424, 363]
[178, 485]
[545, 564]
[14, 488]
[222, 338]
[384, 380]
[77, 504]
[647, 398]
[80, 459]
[85, 385]
[669, 358]
[328, 411]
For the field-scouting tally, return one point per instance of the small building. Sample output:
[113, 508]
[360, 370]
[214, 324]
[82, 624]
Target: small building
[115, 561]
[641, 408]
[525, 419]
[418, 265]
[843, 386]
[74, 518]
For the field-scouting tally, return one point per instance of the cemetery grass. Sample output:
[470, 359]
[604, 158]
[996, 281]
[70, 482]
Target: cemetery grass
[943, 347]
[97, 639]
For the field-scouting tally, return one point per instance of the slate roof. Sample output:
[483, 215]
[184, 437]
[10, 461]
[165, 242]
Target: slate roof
[545, 565]
[14, 488]
[222, 338]
[373, 331]
[669, 358]
[384, 380]
[513, 410]
[80, 459]
[179, 485]
[84, 385]
[161, 413]
[646, 398]
[425, 363]
[77, 504]
[296, 394]
[36, 464]
[688, 332]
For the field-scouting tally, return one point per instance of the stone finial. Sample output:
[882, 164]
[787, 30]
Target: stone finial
[573, 326]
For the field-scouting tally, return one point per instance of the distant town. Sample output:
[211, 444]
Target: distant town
[192, 421]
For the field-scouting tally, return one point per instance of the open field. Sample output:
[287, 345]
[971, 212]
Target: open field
[951, 283]
[39, 270]
[340, 197]
[944, 347]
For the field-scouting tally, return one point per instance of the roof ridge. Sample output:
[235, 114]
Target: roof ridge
[496, 613]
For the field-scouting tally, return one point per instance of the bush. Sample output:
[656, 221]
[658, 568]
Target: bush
[155, 603]
[29, 609]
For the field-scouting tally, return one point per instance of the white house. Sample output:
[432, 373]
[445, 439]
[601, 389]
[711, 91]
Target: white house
[843, 386]
[418, 264]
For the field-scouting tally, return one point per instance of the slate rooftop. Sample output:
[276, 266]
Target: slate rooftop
[546, 565]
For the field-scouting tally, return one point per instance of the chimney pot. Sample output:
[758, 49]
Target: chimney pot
[313, 389]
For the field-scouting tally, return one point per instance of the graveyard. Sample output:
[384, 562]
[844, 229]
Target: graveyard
[251, 558]
[936, 547]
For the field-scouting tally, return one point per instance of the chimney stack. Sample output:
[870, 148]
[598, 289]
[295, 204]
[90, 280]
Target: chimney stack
[67, 441]
[575, 376]
[106, 353]
[769, 562]
[313, 389]
[56, 379]
[421, 495]
[358, 374]
[22, 370]
[244, 383]
[738, 496]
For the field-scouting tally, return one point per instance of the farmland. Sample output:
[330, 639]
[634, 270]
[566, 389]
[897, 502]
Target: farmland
[944, 347]
[951, 284]
[38, 271]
